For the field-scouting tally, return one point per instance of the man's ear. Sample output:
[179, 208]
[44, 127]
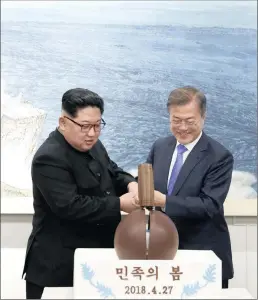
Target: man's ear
[61, 122]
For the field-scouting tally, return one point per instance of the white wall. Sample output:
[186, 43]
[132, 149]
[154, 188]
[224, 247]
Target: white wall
[244, 247]
[15, 230]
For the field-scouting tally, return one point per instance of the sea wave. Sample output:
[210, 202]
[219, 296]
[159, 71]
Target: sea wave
[21, 127]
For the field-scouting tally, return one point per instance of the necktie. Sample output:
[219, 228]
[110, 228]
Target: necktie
[176, 168]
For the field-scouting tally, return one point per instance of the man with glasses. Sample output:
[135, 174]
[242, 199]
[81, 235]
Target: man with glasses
[192, 176]
[78, 194]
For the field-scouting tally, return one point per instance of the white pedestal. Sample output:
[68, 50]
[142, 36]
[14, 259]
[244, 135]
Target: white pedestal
[58, 293]
[13, 286]
[99, 274]
[234, 293]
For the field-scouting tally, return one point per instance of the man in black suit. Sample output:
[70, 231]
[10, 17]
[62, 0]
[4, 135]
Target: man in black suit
[78, 194]
[192, 176]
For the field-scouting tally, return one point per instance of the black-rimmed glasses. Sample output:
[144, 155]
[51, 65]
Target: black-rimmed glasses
[87, 127]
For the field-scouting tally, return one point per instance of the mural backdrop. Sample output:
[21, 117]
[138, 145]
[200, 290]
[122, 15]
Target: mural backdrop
[133, 54]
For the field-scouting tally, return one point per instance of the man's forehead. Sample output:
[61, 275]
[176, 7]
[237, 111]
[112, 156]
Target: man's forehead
[183, 114]
[83, 119]
[90, 121]
[88, 116]
[183, 118]
[184, 111]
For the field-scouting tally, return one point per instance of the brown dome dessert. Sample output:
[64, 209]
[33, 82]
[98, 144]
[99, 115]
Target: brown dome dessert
[130, 238]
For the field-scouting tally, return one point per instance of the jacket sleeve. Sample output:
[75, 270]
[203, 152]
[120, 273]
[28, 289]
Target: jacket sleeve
[150, 158]
[56, 184]
[121, 178]
[212, 196]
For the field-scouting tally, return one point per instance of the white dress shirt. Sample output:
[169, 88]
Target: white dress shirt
[189, 147]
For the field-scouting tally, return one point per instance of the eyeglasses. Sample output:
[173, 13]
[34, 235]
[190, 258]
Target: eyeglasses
[186, 122]
[87, 127]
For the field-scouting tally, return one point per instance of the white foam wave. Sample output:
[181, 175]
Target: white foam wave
[240, 188]
[21, 126]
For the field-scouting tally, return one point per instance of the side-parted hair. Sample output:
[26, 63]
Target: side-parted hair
[186, 94]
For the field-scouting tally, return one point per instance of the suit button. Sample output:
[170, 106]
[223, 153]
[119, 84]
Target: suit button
[107, 192]
[98, 174]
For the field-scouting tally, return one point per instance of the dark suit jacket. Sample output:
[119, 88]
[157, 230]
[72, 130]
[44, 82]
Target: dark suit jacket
[196, 203]
[76, 203]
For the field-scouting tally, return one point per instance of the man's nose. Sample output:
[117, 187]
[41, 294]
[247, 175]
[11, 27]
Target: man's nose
[91, 132]
[183, 126]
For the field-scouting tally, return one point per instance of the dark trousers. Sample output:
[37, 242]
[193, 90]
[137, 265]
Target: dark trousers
[33, 291]
[225, 284]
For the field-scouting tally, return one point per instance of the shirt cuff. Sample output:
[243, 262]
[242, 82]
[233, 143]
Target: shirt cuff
[164, 208]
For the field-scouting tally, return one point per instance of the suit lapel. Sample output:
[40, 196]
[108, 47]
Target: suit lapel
[165, 162]
[196, 155]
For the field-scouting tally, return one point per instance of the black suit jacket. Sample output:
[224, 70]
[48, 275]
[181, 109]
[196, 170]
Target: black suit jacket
[196, 203]
[76, 204]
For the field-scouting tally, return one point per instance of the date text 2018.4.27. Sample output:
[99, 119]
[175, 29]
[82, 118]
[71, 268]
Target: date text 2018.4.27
[142, 289]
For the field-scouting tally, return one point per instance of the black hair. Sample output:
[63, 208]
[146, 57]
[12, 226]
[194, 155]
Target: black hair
[75, 99]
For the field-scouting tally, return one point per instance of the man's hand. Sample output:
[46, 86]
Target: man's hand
[133, 188]
[159, 199]
[128, 202]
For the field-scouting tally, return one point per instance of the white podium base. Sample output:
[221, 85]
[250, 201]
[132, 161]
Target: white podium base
[99, 274]
[13, 287]
[58, 293]
[234, 293]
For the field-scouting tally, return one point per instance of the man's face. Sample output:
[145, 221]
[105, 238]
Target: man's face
[186, 122]
[83, 137]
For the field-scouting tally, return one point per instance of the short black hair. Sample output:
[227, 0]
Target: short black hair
[75, 99]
